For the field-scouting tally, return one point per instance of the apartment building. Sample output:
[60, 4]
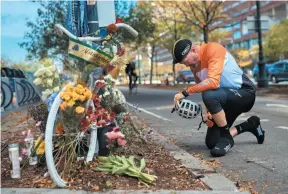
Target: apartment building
[241, 21]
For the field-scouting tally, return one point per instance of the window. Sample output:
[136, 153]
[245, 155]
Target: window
[279, 66]
[236, 14]
[237, 35]
[286, 66]
[236, 26]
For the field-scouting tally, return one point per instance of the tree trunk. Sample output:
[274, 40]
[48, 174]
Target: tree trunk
[205, 32]
[151, 70]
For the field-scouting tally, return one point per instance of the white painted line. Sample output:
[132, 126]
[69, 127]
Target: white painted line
[277, 105]
[282, 127]
[264, 120]
[151, 113]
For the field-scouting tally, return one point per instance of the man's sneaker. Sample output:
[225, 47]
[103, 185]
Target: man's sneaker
[222, 147]
[257, 129]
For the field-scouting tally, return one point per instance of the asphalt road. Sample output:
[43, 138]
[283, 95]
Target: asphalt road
[267, 164]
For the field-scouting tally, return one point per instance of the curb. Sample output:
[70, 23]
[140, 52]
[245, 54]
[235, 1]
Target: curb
[214, 180]
[66, 191]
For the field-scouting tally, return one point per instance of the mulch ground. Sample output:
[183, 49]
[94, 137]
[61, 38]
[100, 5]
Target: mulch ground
[171, 174]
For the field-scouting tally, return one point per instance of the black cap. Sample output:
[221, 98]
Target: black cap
[180, 49]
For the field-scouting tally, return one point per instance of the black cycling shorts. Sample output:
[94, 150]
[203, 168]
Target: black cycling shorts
[232, 101]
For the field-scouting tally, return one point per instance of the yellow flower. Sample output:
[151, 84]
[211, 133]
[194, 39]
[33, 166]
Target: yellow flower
[41, 149]
[75, 96]
[66, 97]
[82, 91]
[76, 90]
[68, 87]
[79, 86]
[88, 94]
[63, 106]
[82, 98]
[71, 103]
[79, 109]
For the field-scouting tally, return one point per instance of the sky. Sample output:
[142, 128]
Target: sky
[14, 15]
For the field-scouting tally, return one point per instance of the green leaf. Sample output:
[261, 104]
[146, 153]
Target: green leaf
[142, 164]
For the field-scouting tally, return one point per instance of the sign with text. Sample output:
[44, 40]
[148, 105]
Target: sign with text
[82, 51]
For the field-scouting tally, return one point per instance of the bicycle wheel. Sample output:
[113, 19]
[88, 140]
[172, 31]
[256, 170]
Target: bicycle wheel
[8, 90]
[56, 155]
[30, 89]
[21, 90]
[26, 92]
[2, 96]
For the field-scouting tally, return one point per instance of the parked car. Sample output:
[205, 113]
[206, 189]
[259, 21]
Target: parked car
[256, 71]
[184, 76]
[278, 71]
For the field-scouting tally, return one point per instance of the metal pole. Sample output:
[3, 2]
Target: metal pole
[262, 81]
[139, 67]
[92, 16]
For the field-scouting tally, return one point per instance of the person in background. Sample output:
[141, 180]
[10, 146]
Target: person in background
[130, 71]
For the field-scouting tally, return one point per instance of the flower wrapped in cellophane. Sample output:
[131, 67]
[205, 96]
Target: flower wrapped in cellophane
[73, 106]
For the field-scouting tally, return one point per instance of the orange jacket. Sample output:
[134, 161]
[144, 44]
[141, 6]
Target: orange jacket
[212, 57]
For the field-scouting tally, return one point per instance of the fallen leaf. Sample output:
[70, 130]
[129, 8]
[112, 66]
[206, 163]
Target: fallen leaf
[96, 188]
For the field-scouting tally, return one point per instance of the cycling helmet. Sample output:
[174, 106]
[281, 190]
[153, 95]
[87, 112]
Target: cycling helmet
[187, 109]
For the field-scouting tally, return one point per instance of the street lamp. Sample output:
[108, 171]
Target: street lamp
[262, 80]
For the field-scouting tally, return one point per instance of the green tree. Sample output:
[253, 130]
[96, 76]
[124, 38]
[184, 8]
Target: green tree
[141, 19]
[167, 17]
[276, 41]
[42, 41]
[202, 15]
[218, 35]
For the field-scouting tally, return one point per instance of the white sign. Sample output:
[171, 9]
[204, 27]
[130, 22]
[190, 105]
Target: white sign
[106, 13]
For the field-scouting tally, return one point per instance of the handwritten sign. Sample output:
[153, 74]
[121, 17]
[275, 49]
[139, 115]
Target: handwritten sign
[83, 51]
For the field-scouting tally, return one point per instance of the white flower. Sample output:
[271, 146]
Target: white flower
[48, 72]
[37, 81]
[40, 71]
[56, 75]
[49, 82]
[46, 93]
[56, 89]
[107, 93]
[52, 68]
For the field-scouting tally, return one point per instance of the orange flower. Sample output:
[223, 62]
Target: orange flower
[79, 109]
[75, 96]
[59, 129]
[66, 96]
[63, 106]
[71, 103]
[79, 86]
[68, 88]
[88, 94]
[82, 98]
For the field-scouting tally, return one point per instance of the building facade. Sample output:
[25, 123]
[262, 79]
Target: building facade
[241, 21]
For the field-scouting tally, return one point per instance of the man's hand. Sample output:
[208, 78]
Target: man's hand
[178, 97]
[208, 119]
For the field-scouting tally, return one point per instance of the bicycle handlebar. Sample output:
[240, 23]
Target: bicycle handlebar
[60, 29]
